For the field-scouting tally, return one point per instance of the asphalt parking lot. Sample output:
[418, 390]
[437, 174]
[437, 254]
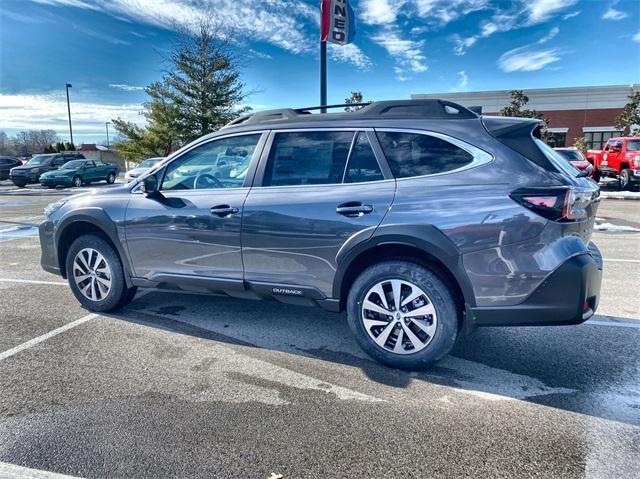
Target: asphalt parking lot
[184, 385]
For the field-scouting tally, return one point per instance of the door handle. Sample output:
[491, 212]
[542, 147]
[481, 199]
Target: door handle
[354, 209]
[224, 210]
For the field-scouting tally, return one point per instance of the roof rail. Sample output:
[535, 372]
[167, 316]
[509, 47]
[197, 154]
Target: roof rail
[419, 109]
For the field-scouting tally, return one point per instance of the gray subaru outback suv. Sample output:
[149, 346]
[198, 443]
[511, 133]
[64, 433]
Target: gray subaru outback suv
[420, 218]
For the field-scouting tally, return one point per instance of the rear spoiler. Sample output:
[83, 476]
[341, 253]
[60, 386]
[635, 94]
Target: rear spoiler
[518, 134]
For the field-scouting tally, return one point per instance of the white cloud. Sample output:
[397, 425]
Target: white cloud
[636, 37]
[463, 44]
[380, 12]
[282, 23]
[407, 53]
[527, 60]
[571, 15]
[542, 10]
[464, 80]
[613, 14]
[549, 36]
[125, 87]
[350, 54]
[49, 111]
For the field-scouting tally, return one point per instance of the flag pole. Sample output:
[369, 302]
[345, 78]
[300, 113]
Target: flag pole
[323, 75]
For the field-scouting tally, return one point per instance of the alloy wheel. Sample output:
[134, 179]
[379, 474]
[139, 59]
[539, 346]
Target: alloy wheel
[77, 182]
[399, 316]
[624, 179]
[92, 274]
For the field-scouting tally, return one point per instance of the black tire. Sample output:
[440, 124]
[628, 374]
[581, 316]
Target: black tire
[111, 179]
[596, 175]
[19, 184]
[119, 295]
[77, 181]
[624, 179]
[446, 331]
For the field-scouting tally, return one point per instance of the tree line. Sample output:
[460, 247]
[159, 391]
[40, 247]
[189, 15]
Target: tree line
[32, 142]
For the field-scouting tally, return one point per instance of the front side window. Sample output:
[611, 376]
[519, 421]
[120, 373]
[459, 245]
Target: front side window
[412, 154]
[308, 158]
[217, 164]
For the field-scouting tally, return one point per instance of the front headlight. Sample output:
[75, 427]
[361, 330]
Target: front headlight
[53, 207]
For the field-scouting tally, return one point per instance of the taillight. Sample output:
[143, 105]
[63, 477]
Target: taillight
[557, 203]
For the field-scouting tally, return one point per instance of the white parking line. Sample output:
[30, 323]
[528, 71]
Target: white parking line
[32, 281]
[614, 324]
[11, 471]
[44, 337]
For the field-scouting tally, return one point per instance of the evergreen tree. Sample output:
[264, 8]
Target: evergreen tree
[200, 92]
[629, 119]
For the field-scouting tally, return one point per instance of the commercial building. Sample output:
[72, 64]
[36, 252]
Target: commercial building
[572, 112]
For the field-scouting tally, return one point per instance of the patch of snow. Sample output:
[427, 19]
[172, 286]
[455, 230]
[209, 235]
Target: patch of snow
[620, 195]
[615, 228]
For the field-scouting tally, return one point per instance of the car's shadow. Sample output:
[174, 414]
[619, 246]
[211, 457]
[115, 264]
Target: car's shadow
[591, 369]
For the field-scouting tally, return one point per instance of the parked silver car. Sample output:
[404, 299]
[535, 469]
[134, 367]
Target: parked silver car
[143, 167]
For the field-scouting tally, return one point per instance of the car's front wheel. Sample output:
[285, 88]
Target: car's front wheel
[20, 184]
[96, 276]
[77, 181]
[111, 179]
[402, 314]
[624, 179]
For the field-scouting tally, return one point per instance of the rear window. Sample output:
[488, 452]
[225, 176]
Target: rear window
[412, 154]
[556, 159]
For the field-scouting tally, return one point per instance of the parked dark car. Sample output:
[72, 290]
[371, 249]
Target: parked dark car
[419, 218]
[6, 163]
[79, 172]
[39, 164]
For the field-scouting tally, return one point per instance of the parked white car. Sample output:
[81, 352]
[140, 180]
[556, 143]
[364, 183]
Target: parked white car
[143, 167]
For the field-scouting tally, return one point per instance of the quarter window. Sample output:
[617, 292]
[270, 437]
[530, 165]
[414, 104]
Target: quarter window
[412, 154]
[308, 158]
[363, 165]
[217, 164]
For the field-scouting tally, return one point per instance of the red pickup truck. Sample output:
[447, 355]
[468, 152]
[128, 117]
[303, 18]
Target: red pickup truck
[619, 159]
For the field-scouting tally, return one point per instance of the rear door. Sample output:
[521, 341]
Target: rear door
[313, 191]
[90, 172]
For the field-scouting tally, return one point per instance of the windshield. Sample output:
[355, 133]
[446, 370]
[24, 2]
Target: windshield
[39, 160]
[559, 161]
[148, 163]
[633, 145]
[571, 155]
[72, 165]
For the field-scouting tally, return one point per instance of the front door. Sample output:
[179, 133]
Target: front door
[192, 229]
[313, 191]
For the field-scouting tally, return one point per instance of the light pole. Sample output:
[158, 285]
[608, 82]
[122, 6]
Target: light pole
[107, 125]
[67, 86]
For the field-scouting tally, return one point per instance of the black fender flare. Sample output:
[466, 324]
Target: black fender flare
[426, 238]
[98, 218]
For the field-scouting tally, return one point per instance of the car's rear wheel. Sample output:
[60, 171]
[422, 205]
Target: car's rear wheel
[111, 179]
[77, 181]
[96, 276]
[402, 314]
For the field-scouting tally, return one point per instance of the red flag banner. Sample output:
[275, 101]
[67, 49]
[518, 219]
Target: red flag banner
[338, 22]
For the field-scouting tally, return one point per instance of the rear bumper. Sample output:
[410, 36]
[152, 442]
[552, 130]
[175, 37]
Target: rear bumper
[569, 295]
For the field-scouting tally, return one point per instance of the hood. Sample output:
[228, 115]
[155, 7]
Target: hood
[25, 167]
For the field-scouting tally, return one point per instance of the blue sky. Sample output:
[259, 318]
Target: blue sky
[110, 49]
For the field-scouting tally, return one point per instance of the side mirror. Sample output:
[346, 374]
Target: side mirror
[150, 185]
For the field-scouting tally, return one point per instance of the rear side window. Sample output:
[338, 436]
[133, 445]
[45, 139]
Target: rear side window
[308, 158]
[363, 165]
[412, 154]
